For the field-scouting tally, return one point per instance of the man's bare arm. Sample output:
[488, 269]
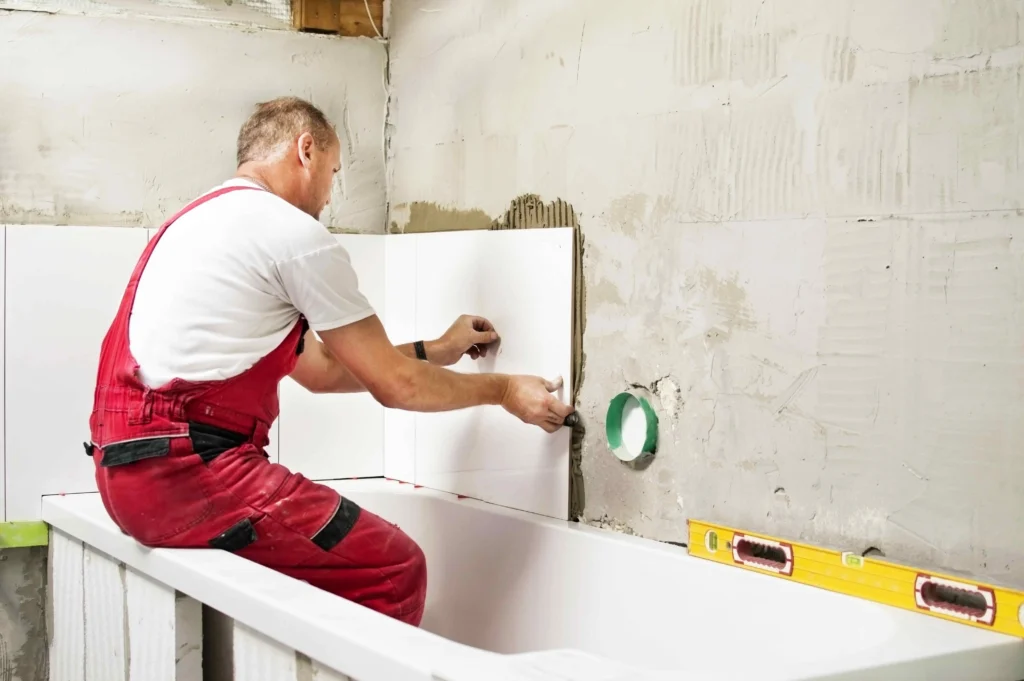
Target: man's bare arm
[320, 372]
[399, 382]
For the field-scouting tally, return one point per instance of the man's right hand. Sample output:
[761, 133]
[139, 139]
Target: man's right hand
[529, 398]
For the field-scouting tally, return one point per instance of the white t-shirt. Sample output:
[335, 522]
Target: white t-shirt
[227, 283]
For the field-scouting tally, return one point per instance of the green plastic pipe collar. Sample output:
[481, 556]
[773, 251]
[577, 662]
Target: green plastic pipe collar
[631, 426]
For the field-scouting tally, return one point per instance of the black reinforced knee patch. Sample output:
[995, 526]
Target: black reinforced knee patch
[236, 537]
[338, 526]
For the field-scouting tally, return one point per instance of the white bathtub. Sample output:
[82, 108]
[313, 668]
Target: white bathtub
[512, 595]
[511, 582]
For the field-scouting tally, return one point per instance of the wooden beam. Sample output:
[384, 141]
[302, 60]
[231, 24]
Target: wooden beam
[355, 21]
[318, 16]
[341, 17]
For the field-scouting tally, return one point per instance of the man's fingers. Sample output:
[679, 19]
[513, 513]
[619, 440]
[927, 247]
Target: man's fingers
[549, 427]
[555, 419]
[484, 337]
[560, 410]
[552, 386]
[481, 324]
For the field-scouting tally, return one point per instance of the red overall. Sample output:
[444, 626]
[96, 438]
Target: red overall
[184, 466]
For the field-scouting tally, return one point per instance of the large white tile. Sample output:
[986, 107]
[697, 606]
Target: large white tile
[367, 253]
[326, 437]
[400, 323]
[338, 436]
[63, 287]
[3, 462]
[521, 280]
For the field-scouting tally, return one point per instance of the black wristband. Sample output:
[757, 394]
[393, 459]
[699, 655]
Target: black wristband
[421, 352]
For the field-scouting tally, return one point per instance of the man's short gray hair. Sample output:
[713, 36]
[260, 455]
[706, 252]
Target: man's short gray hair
[278, 122]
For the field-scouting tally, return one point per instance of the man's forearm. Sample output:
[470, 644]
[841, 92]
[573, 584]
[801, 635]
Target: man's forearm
[427, 388]
[324, 374]
[409, 350]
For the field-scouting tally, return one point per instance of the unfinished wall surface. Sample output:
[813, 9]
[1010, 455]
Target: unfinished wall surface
[802, 233]
[23, 637]
[120, 120]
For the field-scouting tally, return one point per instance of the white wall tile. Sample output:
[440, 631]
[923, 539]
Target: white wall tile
[400, 323]
[521, 280]
[63, 287]
[3, 462]
[338, 436]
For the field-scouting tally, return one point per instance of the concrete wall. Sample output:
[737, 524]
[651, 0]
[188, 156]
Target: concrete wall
[802, 233]
[119, 120]
[23, 630]
[117, 112]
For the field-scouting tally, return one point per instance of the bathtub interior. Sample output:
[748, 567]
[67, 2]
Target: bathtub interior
[511, 582]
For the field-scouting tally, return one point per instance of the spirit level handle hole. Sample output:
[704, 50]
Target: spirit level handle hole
[761, 553]
[942, 596]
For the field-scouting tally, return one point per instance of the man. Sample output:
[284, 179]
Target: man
[221, 307]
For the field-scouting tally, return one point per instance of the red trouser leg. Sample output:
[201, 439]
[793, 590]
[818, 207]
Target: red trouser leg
[261, 511]
[376, 565]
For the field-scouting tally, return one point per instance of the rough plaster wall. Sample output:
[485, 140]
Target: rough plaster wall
[265, 13]
[802, 231]
[23, 643]
[121, 120]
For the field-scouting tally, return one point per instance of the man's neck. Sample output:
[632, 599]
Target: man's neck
[258, 176]
[274, 179]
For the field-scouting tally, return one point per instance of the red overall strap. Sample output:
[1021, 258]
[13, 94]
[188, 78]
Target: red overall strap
[128, 300]
[123, 407]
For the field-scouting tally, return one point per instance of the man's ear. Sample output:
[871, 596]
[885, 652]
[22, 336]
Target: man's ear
[305, 149]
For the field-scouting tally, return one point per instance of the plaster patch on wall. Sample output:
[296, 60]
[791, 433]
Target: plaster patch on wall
[424, 216]
[606, 523]
[91, 137]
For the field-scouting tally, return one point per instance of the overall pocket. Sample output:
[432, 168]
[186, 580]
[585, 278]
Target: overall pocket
[155, 488]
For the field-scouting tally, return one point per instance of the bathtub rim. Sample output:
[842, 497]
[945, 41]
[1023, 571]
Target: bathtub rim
[340, 634]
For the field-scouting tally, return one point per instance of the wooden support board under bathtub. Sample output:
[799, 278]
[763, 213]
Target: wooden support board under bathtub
[930, 593]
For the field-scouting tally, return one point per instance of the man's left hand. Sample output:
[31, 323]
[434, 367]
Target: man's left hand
[469, 335]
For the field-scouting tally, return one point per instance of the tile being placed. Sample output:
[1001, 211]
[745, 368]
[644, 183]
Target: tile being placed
[521, 280]
[324, 436]
[63, 287]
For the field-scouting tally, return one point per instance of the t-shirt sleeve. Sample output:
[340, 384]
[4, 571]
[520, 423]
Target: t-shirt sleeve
[323, 286]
